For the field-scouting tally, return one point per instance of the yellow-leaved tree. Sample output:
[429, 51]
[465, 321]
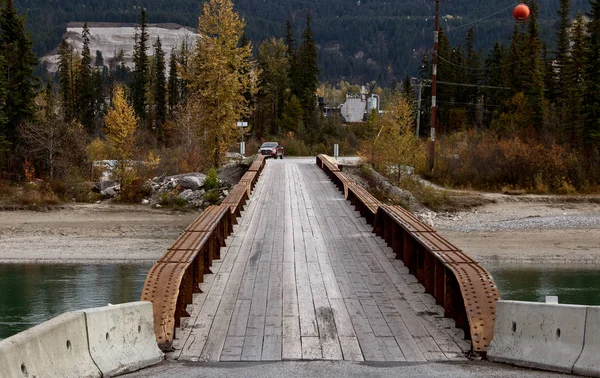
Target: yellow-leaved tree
[120, 125]
[221, 77]
[394, 146]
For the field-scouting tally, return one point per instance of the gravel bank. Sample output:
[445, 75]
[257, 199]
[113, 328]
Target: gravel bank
[89, 233]
[526, 232]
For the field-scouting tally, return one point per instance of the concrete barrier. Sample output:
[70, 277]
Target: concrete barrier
[589, 361]
[55, 348]
[121, 337]
[538, 335]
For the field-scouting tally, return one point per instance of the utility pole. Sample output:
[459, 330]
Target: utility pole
[433, 86]
[419, 107]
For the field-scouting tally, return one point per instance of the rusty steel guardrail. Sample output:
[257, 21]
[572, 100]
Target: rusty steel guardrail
[465, 290]
[176, 276]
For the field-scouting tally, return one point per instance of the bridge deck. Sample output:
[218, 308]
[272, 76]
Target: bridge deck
[304, 278]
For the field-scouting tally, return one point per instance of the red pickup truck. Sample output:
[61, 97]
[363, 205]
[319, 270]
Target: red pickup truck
[271, 149]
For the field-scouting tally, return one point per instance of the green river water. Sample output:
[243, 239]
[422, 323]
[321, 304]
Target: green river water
[31, 294]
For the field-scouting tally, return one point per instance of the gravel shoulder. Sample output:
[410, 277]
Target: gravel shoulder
[98, 233]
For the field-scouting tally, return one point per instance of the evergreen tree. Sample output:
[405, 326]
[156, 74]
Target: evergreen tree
[577, 70]
[140, 69]
[494, 78]
[534, 71]
[408, 92]
[472, 76]
[3, 94]
[591, 123]
[66, 79]
[292, 54]
[273, 61]
[19, 62]
[173, 84]
[99, 61]
[309, 72]
[85, 85]
[160, 89]
[562, 58]
[514, 62]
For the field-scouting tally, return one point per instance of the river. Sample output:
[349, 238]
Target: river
[31, 294]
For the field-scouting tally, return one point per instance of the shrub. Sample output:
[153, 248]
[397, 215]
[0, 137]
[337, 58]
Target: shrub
[212, 179]
[135, 191]
[211, 195]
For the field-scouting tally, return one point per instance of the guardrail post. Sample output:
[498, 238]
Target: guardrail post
[409, 253]
[429, 272]
[439, 283]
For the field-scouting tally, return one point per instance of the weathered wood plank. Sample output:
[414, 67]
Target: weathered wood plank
[311, 348]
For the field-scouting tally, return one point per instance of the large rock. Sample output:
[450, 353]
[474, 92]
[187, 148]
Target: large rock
[103, 185]
[193, 182]
[191, 195]
[110, 192]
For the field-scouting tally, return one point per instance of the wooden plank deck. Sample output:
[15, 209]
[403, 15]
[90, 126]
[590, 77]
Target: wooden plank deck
[303, 277]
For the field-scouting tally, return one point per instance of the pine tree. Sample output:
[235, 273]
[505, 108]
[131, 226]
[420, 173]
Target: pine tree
[577, 70]
[99, 61]
[514, 62]
[66, 79]
[85, 85]
[3, 94]
[591, 132]
[534, 71]
[472, 75]
[273, 61]
[160, 89]
[140, 70]
[494, 78]
[19, 63]
[292, 54]
[563, 56]
[173, 83]
[309, 72]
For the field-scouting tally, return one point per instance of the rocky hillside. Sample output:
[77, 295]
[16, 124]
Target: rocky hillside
[112, 38]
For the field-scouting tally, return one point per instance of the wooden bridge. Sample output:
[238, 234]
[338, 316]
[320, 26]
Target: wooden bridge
[303, 276]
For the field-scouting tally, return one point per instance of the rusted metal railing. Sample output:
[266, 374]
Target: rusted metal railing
[176, 276]
[464, 289]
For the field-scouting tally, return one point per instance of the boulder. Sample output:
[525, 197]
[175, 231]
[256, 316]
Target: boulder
[110, 192]
[103, 185]
[193, 182]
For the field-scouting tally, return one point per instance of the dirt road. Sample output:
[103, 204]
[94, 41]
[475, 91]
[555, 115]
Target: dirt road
[89, 233]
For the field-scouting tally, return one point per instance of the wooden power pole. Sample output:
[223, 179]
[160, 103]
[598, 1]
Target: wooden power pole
[433, 86]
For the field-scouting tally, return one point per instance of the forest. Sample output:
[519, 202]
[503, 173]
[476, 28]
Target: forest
[521, 117]
[356, 40]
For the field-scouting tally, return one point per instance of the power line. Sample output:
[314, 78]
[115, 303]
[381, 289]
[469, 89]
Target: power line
[482, 18]
[473, 85]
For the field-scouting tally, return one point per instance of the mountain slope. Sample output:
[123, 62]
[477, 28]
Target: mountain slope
[358, 39]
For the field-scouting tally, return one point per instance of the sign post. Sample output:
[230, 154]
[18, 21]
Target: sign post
[241, 125]
[336, 150]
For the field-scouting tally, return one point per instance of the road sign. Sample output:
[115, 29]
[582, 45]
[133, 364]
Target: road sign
[242, 124]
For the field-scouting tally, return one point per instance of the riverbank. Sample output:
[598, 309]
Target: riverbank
[526, 231]
[90, 233]
[510, 230]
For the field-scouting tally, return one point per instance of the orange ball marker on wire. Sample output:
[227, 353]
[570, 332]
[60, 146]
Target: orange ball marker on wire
[521, 12]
